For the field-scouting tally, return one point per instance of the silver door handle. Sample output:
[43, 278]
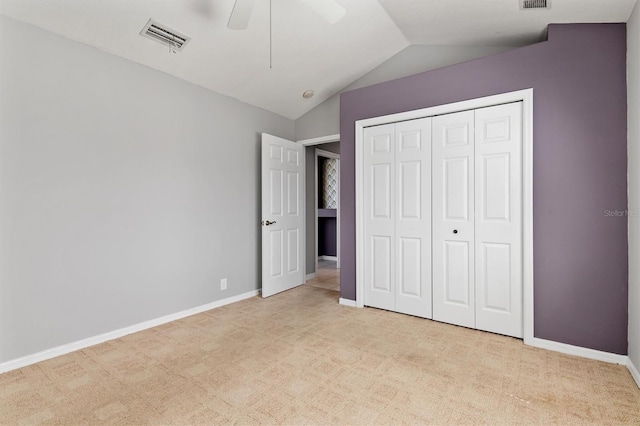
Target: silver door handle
[267, 223]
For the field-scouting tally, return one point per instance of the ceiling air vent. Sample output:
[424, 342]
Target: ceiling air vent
[535, 4]
[164, 35]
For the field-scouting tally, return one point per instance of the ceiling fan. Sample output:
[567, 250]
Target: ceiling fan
[330, 10]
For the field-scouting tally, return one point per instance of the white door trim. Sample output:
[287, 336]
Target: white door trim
[322, 153]
[320, 140]
[309, 142]
[526, 96]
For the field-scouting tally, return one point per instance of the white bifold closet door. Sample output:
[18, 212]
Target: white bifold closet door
[477, 219]
[453, 210]
[397, 217]
[498, 230]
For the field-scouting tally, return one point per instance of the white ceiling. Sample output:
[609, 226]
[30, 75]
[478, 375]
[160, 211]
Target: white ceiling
[495, 22]
[308, 53]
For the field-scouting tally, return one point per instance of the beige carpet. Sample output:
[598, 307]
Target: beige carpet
[301, 358]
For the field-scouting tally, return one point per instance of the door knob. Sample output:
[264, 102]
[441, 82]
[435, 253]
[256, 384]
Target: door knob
[455, 231]
[267, 223]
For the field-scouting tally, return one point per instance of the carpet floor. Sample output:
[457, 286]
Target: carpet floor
[301, 358]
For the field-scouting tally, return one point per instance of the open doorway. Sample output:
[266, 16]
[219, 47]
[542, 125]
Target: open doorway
[323, 212]
[327, 199]
[327, 276]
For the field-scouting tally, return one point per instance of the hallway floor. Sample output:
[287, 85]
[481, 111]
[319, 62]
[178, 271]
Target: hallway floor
[327, 276]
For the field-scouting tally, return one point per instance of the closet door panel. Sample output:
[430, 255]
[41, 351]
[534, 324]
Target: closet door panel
[413, 219]
[498, 219]
[457, 290]
[379, 216]
[453, 227]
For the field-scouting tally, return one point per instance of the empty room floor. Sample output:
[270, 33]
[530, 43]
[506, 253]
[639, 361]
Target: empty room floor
[301, 358]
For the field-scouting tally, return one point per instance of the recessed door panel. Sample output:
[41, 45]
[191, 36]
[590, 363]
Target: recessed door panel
[277, 255]
[410, 190]
[381, 263]
[276, 183]
[410, 139]
[457, 267]
[497, 277]
[456, 189]
[455, 132]
[275, 153]
[381, 191]
[495, 180]
[409, 261]
[496, 129]
[293, 157]
[293, 247]
[381, 144]
[293, 182]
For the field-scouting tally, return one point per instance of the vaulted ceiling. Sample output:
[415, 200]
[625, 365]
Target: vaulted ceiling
[273, 61]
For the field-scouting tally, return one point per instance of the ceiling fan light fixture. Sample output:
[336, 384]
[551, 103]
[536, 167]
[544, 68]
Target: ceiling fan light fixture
[308, 94]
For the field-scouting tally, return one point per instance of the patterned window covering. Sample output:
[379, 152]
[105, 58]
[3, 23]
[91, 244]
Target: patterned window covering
[330, 183]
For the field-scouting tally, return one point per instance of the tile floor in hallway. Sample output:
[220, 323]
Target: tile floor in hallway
[327, 276]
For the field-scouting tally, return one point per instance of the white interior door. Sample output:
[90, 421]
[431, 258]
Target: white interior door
[397, 211]
[498, 218]
[379, 219]
[413, 217]
[282, 215]
[453, 230]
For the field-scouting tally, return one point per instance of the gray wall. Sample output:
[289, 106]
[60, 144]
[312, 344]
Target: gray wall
[579, 170]
[125, 194]
[310, 161]
[633, 81]
[325, 118]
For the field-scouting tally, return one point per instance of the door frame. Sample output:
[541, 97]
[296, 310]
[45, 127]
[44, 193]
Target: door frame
[526, 97]
[327, 154]
[310, 142]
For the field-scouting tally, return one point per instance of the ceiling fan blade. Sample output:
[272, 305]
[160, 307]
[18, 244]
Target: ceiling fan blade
[240, 15]
[329, 10]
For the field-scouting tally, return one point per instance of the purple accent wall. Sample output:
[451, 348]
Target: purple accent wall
[327, 236]
[578, 78]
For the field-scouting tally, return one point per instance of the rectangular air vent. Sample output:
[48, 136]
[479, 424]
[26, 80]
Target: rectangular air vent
[535, 4]
[164, 35]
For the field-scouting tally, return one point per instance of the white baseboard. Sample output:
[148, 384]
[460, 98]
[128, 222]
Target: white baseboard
[348, 302]
[101, 338]
[310, 276]
[634, 371]
[579, 351]
[325, 257]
